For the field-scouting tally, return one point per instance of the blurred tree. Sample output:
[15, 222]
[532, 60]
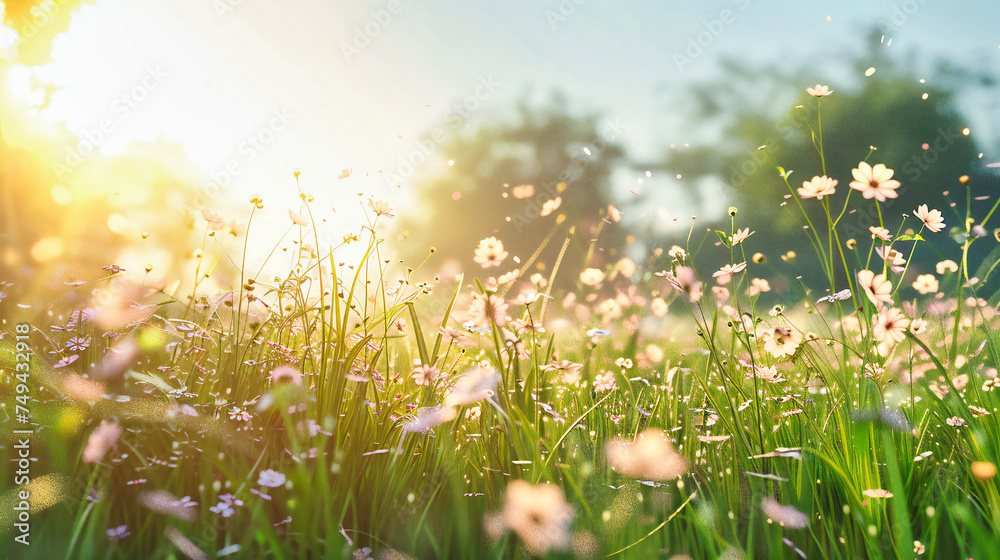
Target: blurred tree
[914, 124]
[502, 176]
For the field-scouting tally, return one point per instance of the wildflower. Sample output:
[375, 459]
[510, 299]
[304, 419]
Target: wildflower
[624, 363]
[473, 413]
[677, 253]
[978, 411]
[819, 91]
[286, 373]
[400, 325]
[918, 326]
[890, 323]
[925, 284]
[523, 191]
[489, 252]
[740, 236]
[758, 285]
[102, 439]
[931, 218]
[271, 478]
[992, 383]
[550, 206]
[880, 233]
[893, 257]
[489, 308]
[380, 207]
[539, 515]
[877, 288]
[237, 413]
[767, 373]
[591, 277]
[877, 493]
[528, 297]
[297, 219]
[604, 382]
[684, 279]
[818, 187]
[226, 506]
[786, 516]
[955, 421]
[117, 533]
[235, 229]
[78, 344]
[456, 336]
[650, 457]
[729, 269]
[424, 374]
[782, 341]
[214, 220]
[946, 265]
[851, 243]
[721, 292]
[569, 371]
[476, 384]
[428, 417]
[874, 182]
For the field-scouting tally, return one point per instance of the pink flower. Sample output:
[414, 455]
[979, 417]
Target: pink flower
[874, 182]
[740, 236]
[819, 91]
[569, 371]
[877, 288]
[604, 382]
[102, 439]
[818, 187]
[424, 374]
[684, 280]
[489, 252]
[489, 308]
[729, 269]
[889, 324]
[271, 478]
[931, 218]
[893, 257]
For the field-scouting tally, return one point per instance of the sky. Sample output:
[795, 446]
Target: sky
[253, 90]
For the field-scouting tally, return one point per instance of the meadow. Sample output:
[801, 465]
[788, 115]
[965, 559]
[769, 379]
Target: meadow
[366, 409]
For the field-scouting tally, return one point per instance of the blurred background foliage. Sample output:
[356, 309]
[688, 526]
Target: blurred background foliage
[755, 118]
